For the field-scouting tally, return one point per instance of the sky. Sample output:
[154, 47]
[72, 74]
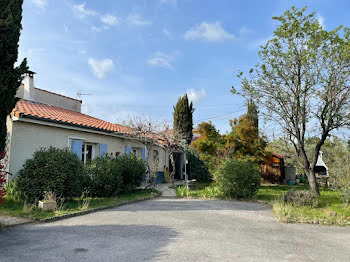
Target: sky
[138, 57]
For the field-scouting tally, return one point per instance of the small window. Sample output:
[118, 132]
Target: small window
[87, 153]
[136, 151]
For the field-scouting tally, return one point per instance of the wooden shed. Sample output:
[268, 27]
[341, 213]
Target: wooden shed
[272, 169]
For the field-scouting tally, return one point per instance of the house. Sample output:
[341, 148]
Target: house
[42, 119]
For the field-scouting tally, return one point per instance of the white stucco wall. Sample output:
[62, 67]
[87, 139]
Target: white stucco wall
[27, 137]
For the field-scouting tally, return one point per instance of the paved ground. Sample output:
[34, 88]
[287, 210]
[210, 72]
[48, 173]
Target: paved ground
[166, 190]
[169, 229]
[12, 221]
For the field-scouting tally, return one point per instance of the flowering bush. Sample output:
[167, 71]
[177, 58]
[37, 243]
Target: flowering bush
[2, 177]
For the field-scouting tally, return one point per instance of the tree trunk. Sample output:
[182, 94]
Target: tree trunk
[172, 175]
[312, 181]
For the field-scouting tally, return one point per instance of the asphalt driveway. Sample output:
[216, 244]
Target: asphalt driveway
[176, 230]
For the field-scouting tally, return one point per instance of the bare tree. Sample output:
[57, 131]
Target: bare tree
[169, 140]
[302, 82]
[145, 130]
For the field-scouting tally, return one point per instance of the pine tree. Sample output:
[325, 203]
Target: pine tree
[10, 76]
[183, 119]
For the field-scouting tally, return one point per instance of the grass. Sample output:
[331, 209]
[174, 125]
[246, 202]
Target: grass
[17, 208]
[330, 209]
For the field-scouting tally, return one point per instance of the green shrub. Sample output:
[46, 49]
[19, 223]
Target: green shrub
[238, 178]
[111, 176]
[105, 178]
[132, 170]
[12, 190]
[51, 169]
[300, 198]
[197, 168]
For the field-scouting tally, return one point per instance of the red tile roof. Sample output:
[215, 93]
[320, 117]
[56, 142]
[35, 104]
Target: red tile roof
[49, 113]
[277, 155]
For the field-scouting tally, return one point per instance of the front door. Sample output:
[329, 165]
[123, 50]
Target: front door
[178, 166]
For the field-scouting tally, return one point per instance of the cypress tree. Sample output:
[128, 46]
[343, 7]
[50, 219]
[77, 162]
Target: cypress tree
[183, 119]
[252, 113]
[10, 76]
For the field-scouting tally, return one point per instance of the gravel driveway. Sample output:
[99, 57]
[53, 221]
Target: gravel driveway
[169, 229]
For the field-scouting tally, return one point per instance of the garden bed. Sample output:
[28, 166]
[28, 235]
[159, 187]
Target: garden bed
[330, 209]
[75, 207]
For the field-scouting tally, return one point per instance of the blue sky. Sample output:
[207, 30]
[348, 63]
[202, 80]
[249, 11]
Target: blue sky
[138, 57]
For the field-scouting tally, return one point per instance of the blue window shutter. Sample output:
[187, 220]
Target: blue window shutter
[143, 153]
[103, 149]
[77, 147]
[128, 150]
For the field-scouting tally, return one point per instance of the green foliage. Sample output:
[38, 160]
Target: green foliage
[209, 145]
[12, 190]
[51, 169]
[340, 177]
[303, 65]
[203, 190]
[111, 176]
[105, 177]
[132, 169]
[238, 178]
[252, 114]
[10, 76]
[183, 119]
[244, 141]
[300, 198]
[196, 167]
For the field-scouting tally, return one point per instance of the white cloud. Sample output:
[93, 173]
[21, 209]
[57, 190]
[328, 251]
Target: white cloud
[82, 12]
[245, 30]
[321, 20]
[167, 33]
[99, 29]
[109, 19]
[42, 4]
[101, 68]
[196, 95]
[208, 31]
[136, 19]
[163, 60]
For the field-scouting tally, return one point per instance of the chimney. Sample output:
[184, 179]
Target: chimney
[28, 86]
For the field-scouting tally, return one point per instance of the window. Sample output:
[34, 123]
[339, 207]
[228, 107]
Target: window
[87, 153]
[136, 151]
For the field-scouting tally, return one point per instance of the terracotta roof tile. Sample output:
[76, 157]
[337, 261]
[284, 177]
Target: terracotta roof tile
[40, 111]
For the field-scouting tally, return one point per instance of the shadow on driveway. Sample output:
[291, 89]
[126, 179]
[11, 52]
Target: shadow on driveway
[52, 242]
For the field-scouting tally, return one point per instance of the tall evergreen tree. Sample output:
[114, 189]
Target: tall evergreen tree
[10, 76]
[183, 119]
[252, 114]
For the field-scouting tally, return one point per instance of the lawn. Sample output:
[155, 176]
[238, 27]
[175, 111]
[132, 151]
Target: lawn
[330, 209]
[17, 208]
